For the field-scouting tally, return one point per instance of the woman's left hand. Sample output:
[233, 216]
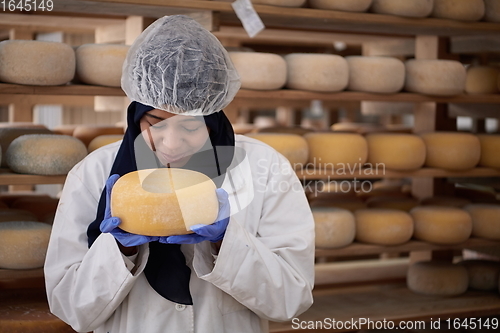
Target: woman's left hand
[201, 232]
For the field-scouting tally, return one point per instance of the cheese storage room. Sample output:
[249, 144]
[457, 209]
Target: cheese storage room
[249, 166]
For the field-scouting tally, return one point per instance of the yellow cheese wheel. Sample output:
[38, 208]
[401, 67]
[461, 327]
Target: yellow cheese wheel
[260, 71]
[462, 10]
[316, 72]
[164, 202]
[445, 201]
[280, 3]
[481, 80]
[490, 148]
[437, 278]
[396, 151]
[293, 147]
[342, 5]
[383, 226]
[9, 215]
[345, 152]
[44, 154]
[435, 77]
[451, 150]
[23, 244]
[392, 202]
[492, 11]
[485, 220]
[375, 74]
[410, 8]
[483, 274]
[441, 225]
[87, 133]
[334, 227]
[100, 64]
[41, 207]
[8, 134]
[36, 63]
[103, 140]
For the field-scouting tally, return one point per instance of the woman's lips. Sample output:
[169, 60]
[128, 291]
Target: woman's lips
[171, 158]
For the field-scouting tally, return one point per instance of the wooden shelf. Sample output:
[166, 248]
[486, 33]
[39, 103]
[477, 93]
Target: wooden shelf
[359, 249]
[392, 302]
[69, 89]
[311, 174]
[9, 178]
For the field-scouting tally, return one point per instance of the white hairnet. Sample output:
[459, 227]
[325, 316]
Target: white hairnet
[178, 66]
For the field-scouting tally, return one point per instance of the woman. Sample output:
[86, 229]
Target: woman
[256, 263]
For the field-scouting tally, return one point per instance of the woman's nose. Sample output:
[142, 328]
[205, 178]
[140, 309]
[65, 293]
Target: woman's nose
[171, 140]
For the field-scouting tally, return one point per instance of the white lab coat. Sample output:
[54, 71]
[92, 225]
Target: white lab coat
[264, 269]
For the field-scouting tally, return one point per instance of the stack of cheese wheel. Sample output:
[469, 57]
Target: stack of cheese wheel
[451, 150]
[280, 3]
[392, 202]
[9, 133]
[41, 207]
[490, 146]
[260, 71]
[316, 72]
[483, 274]
[293, 147]
[342, 5]
[23, 244]
[183, 198]
[492, 12]
[10, 215]
[482, 80]
[396, 151]
[383, 226]
[437, 278]
[87, 133]
[445, 201]
[435, 77]
[462, 10]
[36, 62]
[345, 151]
[409, 8]
[441, 225]
[103, 140]
[375, 74]
[485, 220]
[44, 154]
[100, 64]
[334, 227]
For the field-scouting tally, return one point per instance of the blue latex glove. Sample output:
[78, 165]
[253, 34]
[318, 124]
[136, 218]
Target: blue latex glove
[212, 232]
[110, 224]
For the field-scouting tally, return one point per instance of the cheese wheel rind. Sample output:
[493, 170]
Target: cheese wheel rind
[334, 227]
[36, 63]
[409, 8]
[9, 134]
[293, 147]
[435, 77]
[316, 72]
[103, 140]
[260, 71]
[342, 5]
[481, 80]
[396, 151]
[483, 274]
[451, 150]
[437, 278]
[375, 74]
[485, 220]
[383, 226]
[462, 10]
[490, 146]
[341, 151]
[86, 133]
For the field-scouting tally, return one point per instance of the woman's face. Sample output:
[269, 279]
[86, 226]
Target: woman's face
[174, 138]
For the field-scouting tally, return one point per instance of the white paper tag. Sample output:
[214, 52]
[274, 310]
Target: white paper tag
[248, 17]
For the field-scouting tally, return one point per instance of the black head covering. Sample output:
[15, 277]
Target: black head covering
[166, 269]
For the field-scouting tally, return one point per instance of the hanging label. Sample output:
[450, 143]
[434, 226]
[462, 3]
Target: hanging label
[248, 17]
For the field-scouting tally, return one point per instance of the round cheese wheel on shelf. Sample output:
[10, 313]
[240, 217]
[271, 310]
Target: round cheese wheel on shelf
[342, 5]
[9, 215]
[23, 244]
[293, 147]
[481, 80]
[390, 202]
[435, 77]
[409, 8]
[260, 71]
[396, 151]
[41, 207]
[437, 278]
[280, 3]
[445, 201]
[451, 150]
[375, 74]
[44, 154]
[316, 72]
[100, 64]
[483, 274]
[36, 63]
[179, 199]
[490, 146]
[383, 226]
[103, 140]
[492, 11]
[441, 225]
[334, 227]
[485, 220]
[462, 10]
[8, 134]
[87, 133]
[344, 152]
